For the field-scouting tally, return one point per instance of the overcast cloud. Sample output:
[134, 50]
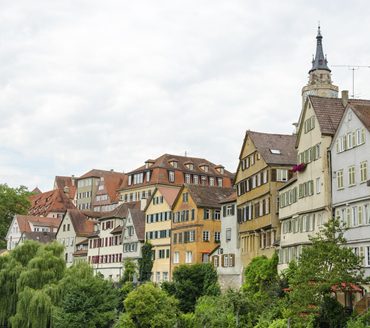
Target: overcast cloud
[109, 84]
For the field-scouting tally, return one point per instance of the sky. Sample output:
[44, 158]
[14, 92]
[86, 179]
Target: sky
[110, 84]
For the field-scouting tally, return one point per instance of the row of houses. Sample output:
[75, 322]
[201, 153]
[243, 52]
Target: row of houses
[286, 187]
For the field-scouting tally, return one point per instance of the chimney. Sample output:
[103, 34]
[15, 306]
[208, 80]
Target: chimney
[73, 180]
[344, 97]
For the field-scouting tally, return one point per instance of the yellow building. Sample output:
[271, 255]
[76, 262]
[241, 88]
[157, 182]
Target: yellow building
[158, 215]
[196, 225]
[265, 163]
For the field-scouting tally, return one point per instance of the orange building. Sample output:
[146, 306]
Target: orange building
[196, 225]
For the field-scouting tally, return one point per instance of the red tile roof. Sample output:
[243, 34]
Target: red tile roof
[112, 181]
[169, 194]
[65, 184]
[138, 219]
[81, 225]
[50, 201]
[160, 166]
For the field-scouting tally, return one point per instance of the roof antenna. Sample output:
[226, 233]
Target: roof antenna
[353, 68]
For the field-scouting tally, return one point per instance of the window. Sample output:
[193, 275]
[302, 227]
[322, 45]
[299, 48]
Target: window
[188, 257]
[165, 276]
[176, 257]
[340, 183]
[363, 171]
[318, 186]
[217, 236]
[281, 175]
[309, 124]
[205, 214]
[205, 235]
[171, 176]
[219, 182]
[195, 179]
[351, 176]
[216, 215]
[191, 235]
[185, 197]
[211, 181]
[187, 178]
[229, 210]
[228, 234]
[275, 151]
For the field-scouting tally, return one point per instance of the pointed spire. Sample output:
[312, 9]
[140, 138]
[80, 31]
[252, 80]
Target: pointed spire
[319, 61]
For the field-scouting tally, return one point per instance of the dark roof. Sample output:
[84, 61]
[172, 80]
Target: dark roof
[121, 211]
[24, 222]
[284, 143]
[80, 252]
[329, 112]
[363, 113]
[319, 62]
[118, 230]
[40, 236]
[81, 225]
[36, 191]
[230, 199]
[94, 214]
[138, 220]
[205, 196]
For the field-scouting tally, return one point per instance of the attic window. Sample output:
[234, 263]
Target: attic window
[275, 151]
[204, 168]
[190, 166]
[174, 164]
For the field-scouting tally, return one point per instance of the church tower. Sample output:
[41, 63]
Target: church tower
[319, 83]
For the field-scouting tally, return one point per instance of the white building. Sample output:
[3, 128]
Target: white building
[23, 225]
[74, 228]
[350, 157]
[226, 259]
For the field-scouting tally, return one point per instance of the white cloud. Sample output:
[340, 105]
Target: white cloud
[91, 84]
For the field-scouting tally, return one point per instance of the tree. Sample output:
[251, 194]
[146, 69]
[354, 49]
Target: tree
[130, 270]
[324, 264]
[146, 262]
[85, 300]
[12, 201]
[148, 307]
[191, 282]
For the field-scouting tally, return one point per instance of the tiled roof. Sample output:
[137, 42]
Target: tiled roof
[112, 181]
[205, 196]
[163, 162]
[138, 219]
[363, 113]
[80, 252]
[265, 143]
[24, 222]
[329, 112]
[96, 173]
[64, 182]
[36, 191]
[118, 229]
[169, 194]
[81, 225]
[50, 201]
[231, 198]
[40, 236]
[121, 211]
[82, 242]
[94, 214]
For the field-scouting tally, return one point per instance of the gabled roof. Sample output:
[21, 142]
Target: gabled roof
[112, 181]
[81, 225]
[36, 191]
[267, 143]
[138, 220]
[24, 222]
[328, 111]
[50, 201]
[121, 211]
[96, 173]
[363, 113]
[169, 194]
[205, 196]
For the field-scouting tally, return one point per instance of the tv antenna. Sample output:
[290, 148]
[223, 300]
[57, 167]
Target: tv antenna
[353, 68]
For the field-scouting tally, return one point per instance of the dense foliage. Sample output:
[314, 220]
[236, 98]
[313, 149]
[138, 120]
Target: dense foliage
[12, 201]
[37, 290]
[146, 262]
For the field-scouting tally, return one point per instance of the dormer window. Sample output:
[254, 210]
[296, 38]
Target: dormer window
[173, 163]
[204, 167]
[149, 163]
[220, 169]
[275, 151]
[189, 165]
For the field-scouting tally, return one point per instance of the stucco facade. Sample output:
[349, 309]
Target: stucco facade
[350, 154]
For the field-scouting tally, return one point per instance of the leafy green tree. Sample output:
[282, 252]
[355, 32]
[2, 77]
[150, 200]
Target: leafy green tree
[130, 270]
[85, 300]
[11, 267]
[213, 311]
[322, 265]
[148, 307]
[146, 262]
[191, 282]
[12, 201]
